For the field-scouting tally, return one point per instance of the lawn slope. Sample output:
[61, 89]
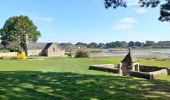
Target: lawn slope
[70, 79]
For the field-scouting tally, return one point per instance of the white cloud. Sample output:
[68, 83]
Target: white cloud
[122, 27]
[141, 10]
[128, 20]
[37, 17]
[42, 18]
[125, 23]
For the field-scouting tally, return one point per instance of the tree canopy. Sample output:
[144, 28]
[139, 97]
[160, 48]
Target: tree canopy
[164, 8]
[16, 29]
[124, 44]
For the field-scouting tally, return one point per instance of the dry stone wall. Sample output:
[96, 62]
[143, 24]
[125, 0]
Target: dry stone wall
[145, 68]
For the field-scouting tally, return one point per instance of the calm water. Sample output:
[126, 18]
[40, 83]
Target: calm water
[141, 52]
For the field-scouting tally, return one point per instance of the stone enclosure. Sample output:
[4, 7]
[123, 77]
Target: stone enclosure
[129, 66]
[105, 67]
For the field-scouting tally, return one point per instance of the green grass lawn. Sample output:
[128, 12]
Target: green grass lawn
[70, 79]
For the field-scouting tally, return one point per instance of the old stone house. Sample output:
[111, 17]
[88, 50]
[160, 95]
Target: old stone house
[44, 49]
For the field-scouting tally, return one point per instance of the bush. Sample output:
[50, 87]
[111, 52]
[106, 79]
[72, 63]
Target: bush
[82, 54]
[4, 50]
[21, 55]
[1, 58]
[71, 54]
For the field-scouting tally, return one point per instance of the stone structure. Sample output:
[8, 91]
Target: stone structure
[104, 67]
[130, 66]
[44, 49]
[128, 63]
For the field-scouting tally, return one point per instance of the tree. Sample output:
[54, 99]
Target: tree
[121, 44]
[101, 45]
[163, 44]
[138, 44]
[16, 29]
[164, 8]
[69, 47]
[150, 43]
[131, 44]
[111, 45]
[81, 44]
[13, 46]
[92, 45]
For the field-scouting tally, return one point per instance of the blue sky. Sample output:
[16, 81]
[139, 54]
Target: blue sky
[88, 20]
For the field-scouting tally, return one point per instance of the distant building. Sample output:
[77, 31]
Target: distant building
[44, 49]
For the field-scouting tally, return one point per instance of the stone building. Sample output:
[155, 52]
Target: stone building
[44, 49]
[128, 63]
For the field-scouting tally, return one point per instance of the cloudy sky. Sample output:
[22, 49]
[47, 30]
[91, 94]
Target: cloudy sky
[88, 20]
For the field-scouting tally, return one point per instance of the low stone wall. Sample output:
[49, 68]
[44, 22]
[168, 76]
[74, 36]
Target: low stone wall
[144, 68]
[149, 75]
[147, 72]
[157, 73]
[145, 75]
[34, 52]
[8, 54]
[104, 67]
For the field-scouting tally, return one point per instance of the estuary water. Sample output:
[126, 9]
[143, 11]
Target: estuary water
[136, 52]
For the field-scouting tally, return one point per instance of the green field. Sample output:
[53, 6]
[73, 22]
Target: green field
[70, 79]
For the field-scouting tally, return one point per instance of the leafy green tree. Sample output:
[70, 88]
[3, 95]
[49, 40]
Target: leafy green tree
[92, 45]
[131, 44]
[164, 8]
[13, 46]
[150, 43]
[81, 44]
[163, 44]
[19, 29]
[101, 45]
[138, 44]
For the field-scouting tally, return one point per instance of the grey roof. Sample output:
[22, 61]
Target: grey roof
[38, 45]
[129, 58]
[48, 45]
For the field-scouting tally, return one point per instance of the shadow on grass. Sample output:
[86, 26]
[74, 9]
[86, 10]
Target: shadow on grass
[71, 86]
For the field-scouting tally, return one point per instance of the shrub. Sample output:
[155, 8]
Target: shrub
[4, 50]
[70, 53]
[82, 54]
[1, 57]
[21, 55]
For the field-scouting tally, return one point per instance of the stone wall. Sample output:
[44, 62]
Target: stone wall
[34, 52]
[144, 68]
[145, 75]
[158, 73]
[147, 72]
[8, 54]
[149, 75]
[106, 68]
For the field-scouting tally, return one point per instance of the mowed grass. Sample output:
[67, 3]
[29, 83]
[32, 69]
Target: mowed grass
[70, 79]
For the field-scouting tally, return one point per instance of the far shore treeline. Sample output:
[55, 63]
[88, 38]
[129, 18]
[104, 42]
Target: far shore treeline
[121, 44]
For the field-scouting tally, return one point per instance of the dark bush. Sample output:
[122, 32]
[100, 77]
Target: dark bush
[82, 54]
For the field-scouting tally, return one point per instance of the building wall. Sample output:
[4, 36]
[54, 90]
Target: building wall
[53, 51]
[34, 52]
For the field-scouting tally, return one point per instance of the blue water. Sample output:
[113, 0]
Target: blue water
[123, 52]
